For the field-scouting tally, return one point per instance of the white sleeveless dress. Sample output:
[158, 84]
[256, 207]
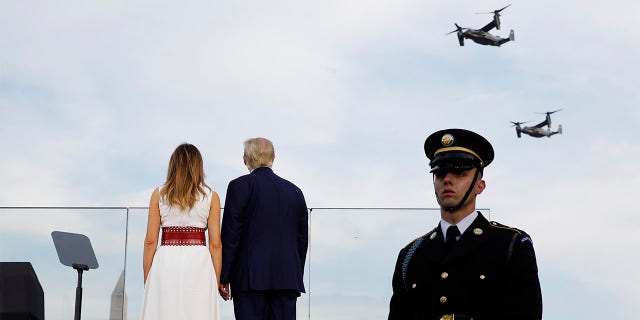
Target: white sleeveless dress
[181, 284]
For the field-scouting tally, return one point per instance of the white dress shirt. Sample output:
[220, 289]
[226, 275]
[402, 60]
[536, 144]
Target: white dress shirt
[462, 224]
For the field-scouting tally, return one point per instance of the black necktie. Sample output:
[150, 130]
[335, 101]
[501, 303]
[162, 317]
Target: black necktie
[452, 233]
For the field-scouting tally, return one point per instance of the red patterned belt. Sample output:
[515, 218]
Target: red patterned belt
[183, 236]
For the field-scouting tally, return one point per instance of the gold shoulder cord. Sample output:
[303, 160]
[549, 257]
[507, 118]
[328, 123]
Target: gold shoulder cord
[496, 225]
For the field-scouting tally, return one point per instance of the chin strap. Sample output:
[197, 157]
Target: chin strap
[466, 195]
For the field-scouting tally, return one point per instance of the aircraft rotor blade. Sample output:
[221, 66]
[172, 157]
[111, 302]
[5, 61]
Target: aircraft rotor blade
[550, 112]
[494, 11]
[507, 6]
[458, 29]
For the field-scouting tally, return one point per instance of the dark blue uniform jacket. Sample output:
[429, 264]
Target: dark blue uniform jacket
[490, 275]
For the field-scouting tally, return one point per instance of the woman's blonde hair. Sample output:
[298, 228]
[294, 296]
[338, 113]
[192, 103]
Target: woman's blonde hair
[258, 152]
[185, 178]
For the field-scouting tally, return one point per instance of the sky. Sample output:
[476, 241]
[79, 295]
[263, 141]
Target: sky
[94, 97]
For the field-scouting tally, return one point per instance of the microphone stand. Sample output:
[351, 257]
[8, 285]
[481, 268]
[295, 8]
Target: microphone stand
[79, 268]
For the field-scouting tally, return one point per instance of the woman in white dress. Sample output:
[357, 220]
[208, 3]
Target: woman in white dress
[181, 276]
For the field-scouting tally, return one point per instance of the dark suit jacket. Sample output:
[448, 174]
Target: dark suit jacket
[491, 275]
[264, 233]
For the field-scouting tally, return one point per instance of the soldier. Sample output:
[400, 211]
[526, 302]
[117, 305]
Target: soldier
[466, 267]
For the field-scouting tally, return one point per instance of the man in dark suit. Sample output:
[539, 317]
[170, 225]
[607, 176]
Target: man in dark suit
[264, 239]
[467, 267]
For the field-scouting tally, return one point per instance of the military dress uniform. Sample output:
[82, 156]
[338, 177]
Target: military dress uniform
[491, 274]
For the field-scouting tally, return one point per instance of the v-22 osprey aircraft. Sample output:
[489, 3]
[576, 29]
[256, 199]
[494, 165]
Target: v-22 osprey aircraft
[482, 36]
[538, 130]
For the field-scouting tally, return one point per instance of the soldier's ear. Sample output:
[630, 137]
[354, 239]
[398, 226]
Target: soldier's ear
[480, 185]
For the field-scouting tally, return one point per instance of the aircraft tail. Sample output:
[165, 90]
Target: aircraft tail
[505, 40]
[550, 133]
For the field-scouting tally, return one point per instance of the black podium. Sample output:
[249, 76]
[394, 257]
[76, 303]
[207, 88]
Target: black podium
[21, 295]
[74, 250]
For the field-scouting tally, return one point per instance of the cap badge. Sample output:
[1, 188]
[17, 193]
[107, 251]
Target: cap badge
[447, 140]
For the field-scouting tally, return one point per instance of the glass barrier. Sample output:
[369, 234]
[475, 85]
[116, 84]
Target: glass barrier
[352, 253]
[25, 236]
[352, 256]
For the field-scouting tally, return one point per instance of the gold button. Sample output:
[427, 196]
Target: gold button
[444, 275]
[413, 286]
[443, 299]
[482, 277]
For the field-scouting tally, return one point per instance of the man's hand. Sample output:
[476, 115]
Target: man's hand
[224, 291]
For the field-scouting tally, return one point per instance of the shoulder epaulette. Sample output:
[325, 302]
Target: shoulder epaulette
[501, 226]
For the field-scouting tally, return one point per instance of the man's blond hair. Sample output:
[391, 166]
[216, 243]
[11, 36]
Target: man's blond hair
[258, 152]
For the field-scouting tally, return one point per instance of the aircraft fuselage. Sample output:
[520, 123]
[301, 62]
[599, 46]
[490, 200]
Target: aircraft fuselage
[537, 132]
[534, 133]
[482, 37]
